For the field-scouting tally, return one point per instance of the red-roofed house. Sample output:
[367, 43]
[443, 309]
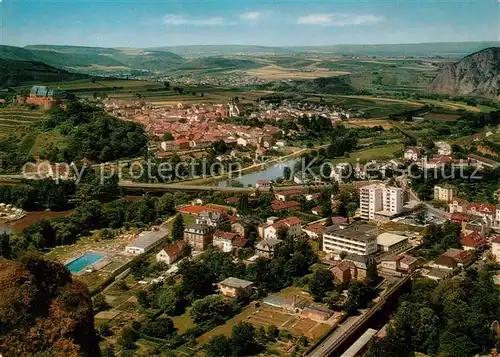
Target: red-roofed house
[459, 218]
[232, 200]
[482, 209]
[462, 257]
[315, 231]
[344, 272]
[318, 211]
[170, 254]
[224, 240]
[277, 205]
[196, 210]
[473, 241]
[412, 153]
[438, 161]
[286, 195]
[292, 225]
[340, 220]
[262, 183]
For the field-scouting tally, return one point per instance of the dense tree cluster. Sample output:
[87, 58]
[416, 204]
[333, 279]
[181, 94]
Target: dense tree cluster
[196, 286]
[243, 342]
[92, 134]
[439, 238]
[34, 195]
[452, 319]
[467, 124]
[42, 311]
[85, 218]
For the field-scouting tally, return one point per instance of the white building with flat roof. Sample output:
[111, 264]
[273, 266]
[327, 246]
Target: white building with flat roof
[380, 200]
[392, 243]
[146, 241]
[360, 239]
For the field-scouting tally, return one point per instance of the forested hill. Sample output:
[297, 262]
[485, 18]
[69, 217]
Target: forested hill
[43, 311]
[92, 134]
[15, 73]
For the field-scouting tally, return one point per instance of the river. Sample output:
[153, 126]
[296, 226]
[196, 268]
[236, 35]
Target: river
[273, 172]
[29, 219]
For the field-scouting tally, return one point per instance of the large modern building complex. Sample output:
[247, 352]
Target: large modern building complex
[360, 239]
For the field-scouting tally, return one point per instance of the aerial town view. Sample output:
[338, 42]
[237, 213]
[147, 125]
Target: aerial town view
[250, 178]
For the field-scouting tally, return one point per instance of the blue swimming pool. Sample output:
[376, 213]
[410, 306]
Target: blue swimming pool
[80, 263]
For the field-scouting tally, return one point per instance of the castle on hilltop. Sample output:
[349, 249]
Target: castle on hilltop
[44, 97]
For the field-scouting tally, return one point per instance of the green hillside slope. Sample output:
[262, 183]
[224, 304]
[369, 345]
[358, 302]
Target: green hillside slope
[15, 73]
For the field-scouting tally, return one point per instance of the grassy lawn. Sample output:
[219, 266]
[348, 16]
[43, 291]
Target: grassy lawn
[188, 220]
[378, 153]
[226, 328]
[45, 140]
[183, 322]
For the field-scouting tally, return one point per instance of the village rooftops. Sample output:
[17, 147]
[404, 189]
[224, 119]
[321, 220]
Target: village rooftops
[236, 283]
[196, 210]
[481, 207]
[474, 240]
[287, 222]
[282, 205]
[271, 242]
[226, 235]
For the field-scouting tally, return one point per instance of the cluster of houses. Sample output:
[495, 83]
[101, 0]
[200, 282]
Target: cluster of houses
[194, 126]
[444, 157]
[292, 109]
[487, 215]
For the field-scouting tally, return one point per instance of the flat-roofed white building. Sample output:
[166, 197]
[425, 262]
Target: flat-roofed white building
[392, 243]
[146, 241]
[360, 239]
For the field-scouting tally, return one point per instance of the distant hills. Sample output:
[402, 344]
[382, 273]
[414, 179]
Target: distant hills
[14, 73]
[444, 49]
[192, 51]
[438, 49]
[80, 58]
[476, 74]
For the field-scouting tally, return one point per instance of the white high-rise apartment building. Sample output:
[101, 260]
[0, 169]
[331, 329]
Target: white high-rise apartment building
[380, 199]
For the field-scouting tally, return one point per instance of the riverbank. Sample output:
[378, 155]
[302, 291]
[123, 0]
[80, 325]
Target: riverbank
[31, 218]
[237, 175]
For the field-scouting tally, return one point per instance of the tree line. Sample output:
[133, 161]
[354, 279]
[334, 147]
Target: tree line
[452, 319]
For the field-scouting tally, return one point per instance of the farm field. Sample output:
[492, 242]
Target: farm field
[369, 123]
[371, 106]
[275, 72]
[266, 316]
[377, 153]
